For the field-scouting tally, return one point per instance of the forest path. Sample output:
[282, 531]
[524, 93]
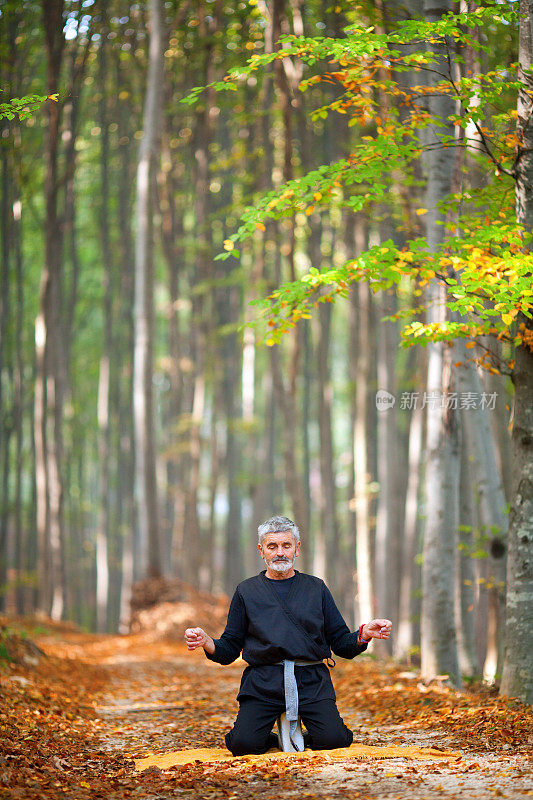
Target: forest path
[161, 698]
[131, 697]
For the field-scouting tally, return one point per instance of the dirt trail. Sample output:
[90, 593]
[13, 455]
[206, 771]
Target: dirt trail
[135, 697]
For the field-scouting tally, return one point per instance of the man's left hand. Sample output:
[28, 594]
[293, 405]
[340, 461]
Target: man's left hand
[377, 629]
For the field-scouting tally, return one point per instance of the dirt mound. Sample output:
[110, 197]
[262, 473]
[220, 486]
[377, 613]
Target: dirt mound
[16, 648]
[164, 607]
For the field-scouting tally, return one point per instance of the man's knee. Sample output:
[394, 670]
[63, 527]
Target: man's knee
[242, 743]
[330, 739]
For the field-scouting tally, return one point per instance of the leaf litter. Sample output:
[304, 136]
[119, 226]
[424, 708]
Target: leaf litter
[79, 709]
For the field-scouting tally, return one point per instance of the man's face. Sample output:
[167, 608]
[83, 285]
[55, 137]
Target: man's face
[279, 550]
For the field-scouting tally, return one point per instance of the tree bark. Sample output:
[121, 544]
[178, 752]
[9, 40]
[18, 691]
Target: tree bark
[145, 473]
[126, 507]
[404, 639]
[286, 391]
[388, 553]
[491, 501]
[464, 572]
[49, 342]
[438, 636]
[517, 678]
[104, 379]
[360, 311]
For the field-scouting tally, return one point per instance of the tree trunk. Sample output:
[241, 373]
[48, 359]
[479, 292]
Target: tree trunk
[286, 391]
[404, 639]
[360, 298]
[104, 380]
[49, 345]
[517, 678]
[438, 636]
[491, 501]
[329, 530]
[126, 508]
[464, 572]
[21, 533]
[145, 473]
[388, 554]
[6, 361]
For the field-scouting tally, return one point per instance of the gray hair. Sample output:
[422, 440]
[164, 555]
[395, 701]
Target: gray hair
[278, 525]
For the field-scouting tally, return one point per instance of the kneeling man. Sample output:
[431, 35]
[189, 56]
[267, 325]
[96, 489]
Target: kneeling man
[286, 623]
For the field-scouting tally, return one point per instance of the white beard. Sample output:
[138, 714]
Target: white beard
[280, 566]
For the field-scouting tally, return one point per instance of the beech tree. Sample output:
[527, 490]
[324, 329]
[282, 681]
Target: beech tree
[517, 679]
[143, 405]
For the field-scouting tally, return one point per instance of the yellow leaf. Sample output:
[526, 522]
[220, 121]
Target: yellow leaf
[420, 211]
[53, 97]
[260, 226]
[470, 344]
[317, 196]
[508, 318]
[309, 210]
[228, 244]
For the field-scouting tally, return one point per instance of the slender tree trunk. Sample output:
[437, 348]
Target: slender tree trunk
[364, 596]
[404, 639]
[388, 553]
[104, 381]
[202, 311]
[171, 233]
[464, 576]
[229, 310]
[328, 506]
[49, 345]
[439, 645]
[491, 501]
[286, 391]
[517, 678]
[126, 509]
[21, 536]
[265, 458]
[76, 69]
[6, 366]
[145, 478]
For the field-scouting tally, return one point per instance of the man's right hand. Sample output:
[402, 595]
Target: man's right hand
[197, 637]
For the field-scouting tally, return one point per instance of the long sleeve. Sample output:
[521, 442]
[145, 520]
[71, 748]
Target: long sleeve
[230, 644]
[338, 636]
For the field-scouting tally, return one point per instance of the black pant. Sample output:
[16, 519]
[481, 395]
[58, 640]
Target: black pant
[255, 719]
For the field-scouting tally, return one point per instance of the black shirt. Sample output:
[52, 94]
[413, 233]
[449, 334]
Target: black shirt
[265, 682]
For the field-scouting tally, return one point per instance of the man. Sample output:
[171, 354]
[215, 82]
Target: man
[285, 623]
